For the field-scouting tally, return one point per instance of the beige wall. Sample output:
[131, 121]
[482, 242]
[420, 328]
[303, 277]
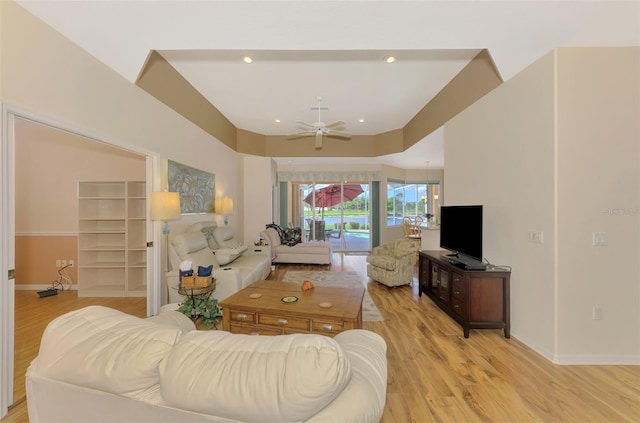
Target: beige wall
[552, 151]
[49, 164]
[598, 190]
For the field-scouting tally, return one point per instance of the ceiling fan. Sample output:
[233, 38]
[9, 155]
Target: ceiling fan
[320, 129]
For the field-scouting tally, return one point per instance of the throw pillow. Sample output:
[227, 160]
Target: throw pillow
[288, 236]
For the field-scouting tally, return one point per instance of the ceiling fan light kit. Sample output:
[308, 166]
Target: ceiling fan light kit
[320, 129]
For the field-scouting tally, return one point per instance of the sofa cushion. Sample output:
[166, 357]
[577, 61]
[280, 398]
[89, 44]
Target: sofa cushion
[282, 378]
[224, 237]
[227, 255]
[193, 246]
[384, 262]
[272, 236]
[189, 242]
[207, 228]
[211, 240]
[105, 349]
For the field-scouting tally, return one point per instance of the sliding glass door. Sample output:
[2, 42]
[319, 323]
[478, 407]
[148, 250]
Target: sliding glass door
[337, 212]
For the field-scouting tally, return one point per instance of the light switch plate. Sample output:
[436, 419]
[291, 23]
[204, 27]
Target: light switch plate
[600, 239]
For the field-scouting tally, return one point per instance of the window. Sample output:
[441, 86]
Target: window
[410, 199]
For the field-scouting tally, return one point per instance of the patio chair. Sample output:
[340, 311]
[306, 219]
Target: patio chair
[318, 225]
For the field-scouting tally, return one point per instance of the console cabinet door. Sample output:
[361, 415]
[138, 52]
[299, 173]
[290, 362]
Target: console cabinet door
[443, 290]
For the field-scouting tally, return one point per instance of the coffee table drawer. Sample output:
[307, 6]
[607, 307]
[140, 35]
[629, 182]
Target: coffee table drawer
[327, 327]
[254, 330]
[283, 322]
[243, 316]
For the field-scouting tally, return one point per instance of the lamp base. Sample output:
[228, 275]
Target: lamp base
[165, 228]
[226, 221]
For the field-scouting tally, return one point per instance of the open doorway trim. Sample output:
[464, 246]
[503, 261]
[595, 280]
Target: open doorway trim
[7, 230]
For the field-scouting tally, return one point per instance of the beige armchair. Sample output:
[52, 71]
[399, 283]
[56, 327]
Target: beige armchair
[392, 264]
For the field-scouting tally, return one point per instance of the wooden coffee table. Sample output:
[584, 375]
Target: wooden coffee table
[270, 315]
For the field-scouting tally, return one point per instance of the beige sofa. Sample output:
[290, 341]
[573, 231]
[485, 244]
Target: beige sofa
[236, 266]
[310, 252]
[100, 365]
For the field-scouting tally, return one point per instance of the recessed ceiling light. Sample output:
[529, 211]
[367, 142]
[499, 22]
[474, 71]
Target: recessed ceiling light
[277, 120]
[361, 120]
[389, 59]
[247, 59]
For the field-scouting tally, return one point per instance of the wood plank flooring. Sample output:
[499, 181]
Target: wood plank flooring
[434, 373]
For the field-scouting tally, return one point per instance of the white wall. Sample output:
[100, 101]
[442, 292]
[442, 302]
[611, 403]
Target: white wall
[552, 150]
[257, 196]
[46, 74]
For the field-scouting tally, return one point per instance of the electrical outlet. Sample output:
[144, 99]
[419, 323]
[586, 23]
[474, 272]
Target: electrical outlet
[58, 264]
[63, 263]
[71, 263]
[535, 237]
[597, 312]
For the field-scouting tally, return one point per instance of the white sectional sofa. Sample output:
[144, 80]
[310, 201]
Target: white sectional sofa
[97, 364]
[236, 266]
[310, 252]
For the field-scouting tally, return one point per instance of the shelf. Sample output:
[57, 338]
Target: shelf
[99, 248]
[101, 189]
[103, 264]
[112, 238]
[102, 232]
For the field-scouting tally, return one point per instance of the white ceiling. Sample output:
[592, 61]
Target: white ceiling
[334, 49]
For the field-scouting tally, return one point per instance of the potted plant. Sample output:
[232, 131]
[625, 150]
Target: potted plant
[196, 306]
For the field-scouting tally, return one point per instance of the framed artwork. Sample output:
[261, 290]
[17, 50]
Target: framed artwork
[196, 187]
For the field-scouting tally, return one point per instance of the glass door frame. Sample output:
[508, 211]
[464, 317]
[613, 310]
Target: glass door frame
[355, 234]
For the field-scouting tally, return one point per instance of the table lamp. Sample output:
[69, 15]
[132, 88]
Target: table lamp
[165, 206]
[224, 206]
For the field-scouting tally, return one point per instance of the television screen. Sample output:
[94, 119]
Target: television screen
[461, 230]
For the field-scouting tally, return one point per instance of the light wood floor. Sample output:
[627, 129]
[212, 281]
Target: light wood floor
[435, 374]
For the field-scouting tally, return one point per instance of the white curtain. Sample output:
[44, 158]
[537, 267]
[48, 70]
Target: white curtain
[330, 176]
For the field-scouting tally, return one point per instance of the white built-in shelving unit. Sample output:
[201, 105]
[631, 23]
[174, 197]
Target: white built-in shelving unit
[112, 239]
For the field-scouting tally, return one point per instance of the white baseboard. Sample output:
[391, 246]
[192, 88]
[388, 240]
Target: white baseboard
[574, 360]
[39, 287]
[537, 348]
[598, 360]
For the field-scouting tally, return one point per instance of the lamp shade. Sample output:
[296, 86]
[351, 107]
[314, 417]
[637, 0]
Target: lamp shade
[227, 206]
[165, 205]
[224, 205]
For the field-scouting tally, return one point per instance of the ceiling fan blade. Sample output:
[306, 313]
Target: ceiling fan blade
[335, 124]
[308, 125]
[318, 139]
[339, 134]
[302, 134]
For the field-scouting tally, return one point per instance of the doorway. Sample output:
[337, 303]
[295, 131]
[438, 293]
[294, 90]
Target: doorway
[13, 121]
[338, 212]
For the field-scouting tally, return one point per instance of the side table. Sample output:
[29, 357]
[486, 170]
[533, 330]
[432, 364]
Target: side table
[197, 295]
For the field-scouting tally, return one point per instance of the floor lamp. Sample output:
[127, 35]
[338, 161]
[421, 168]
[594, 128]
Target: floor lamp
[165, 206]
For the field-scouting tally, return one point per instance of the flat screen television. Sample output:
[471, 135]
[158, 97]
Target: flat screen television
[461, 230]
